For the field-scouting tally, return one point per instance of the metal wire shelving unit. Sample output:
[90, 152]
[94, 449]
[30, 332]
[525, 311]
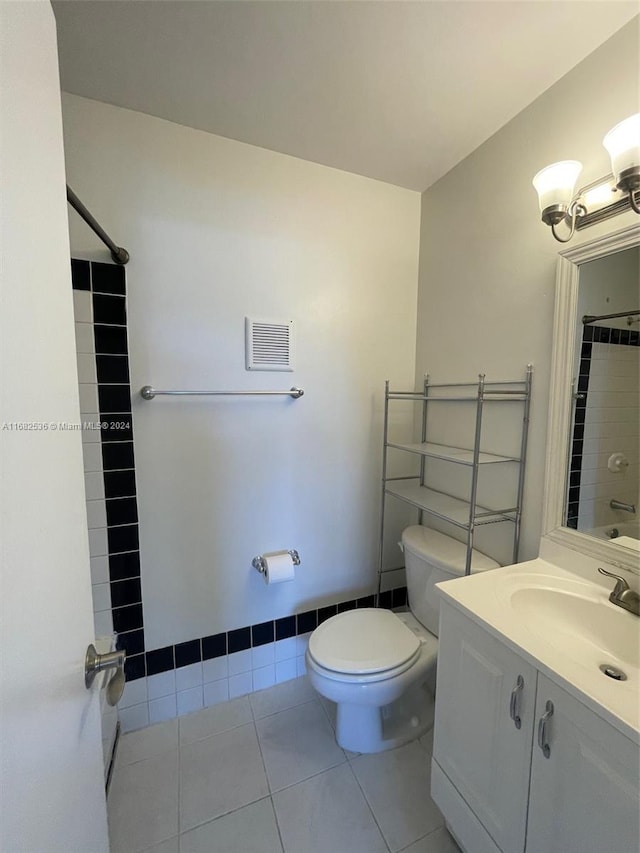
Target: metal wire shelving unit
[466, 514]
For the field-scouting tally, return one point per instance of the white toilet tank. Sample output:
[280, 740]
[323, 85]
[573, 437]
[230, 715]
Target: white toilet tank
[431, 557]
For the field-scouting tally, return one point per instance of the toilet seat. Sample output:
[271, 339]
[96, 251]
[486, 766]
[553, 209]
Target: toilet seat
[367, 644]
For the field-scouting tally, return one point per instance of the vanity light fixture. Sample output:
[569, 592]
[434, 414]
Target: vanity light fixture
[555, 184]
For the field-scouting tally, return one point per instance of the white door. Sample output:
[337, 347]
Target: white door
[584, 796]
[476, 742]
[51, 785]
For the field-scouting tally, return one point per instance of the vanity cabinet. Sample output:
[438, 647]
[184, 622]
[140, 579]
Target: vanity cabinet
[500, 789]
[584, 797]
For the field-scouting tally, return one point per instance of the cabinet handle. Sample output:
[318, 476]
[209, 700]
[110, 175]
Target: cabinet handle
[513, 703]
[542, 729]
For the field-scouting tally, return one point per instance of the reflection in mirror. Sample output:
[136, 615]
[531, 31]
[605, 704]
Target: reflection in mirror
[603, 491]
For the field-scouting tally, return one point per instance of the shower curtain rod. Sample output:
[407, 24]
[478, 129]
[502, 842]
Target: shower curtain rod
[588, 318]
[119, 255]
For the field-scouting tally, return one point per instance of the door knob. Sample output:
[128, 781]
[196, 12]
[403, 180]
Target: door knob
[95, 663]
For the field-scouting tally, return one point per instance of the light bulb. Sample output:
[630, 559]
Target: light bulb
[555, 185]
[623, 144]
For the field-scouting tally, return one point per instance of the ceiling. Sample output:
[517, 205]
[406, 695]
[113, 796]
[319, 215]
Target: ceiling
[397, 91]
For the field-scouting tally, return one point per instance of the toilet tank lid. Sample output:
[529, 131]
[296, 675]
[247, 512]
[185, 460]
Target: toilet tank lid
[444, 552]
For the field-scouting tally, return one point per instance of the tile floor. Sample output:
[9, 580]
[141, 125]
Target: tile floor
[263, 774]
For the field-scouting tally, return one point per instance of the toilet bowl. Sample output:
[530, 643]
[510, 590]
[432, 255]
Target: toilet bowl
[376, 664]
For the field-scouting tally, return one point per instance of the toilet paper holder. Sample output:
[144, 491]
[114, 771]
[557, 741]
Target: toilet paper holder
[259, 564]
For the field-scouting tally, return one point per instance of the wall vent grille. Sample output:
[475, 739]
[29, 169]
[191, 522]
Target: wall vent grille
[269, 344]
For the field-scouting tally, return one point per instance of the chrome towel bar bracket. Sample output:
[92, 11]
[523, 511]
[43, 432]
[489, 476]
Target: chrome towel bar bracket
[148, 392]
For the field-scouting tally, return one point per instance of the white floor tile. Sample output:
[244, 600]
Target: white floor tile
[143, 803]
[154, 740]
[220, 774]
[327, 814]
[280, 697]
[172, 845]
[211, 721]
[427, 741]
[331, 710]
[251, 829]
[297, 743]
[397, 786]
[436, 842]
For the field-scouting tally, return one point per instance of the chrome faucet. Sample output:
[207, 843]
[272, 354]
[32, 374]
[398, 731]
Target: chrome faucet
[614, 504]
[622, 594]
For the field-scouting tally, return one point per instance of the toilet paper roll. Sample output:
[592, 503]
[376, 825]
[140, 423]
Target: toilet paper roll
[278, 567]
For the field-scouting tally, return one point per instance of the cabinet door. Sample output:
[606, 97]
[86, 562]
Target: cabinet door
[476, 743]
[584, 796]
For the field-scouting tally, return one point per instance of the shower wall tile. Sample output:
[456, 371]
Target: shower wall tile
[162, 684]
[96, 514]
[80, 275]
[82, 307]
[99, 569]
[92, 455]
[190, 700]
[84, 338]
[108, 278]
[86, 367]
[88, 397]
[162, 709]
[94, 486]
[216, 692]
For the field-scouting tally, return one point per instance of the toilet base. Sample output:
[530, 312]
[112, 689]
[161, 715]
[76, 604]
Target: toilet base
[369, 729]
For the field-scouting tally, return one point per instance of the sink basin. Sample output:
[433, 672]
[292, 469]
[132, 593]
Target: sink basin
[576, 618]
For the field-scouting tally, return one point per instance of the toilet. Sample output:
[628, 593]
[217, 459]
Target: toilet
[376, 664]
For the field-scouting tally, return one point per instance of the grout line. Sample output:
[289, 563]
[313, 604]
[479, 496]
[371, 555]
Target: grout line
[375, 819]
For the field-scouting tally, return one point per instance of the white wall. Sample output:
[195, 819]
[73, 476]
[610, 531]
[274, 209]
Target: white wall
[487, 263]
[218, 230]
[51, 780]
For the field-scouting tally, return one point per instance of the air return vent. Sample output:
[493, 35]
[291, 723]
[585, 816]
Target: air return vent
[269, 344]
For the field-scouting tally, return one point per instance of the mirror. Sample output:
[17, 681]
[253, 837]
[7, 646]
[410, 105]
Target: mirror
[603, 481]
[584, 430]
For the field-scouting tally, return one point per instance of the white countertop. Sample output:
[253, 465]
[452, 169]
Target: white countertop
[485, 598]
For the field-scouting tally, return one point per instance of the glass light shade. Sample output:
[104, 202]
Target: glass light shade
[623, 144]
[555, 184]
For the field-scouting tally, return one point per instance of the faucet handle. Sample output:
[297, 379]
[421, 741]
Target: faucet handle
[621, 585]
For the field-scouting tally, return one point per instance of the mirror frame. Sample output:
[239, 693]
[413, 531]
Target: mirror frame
[561, 400]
